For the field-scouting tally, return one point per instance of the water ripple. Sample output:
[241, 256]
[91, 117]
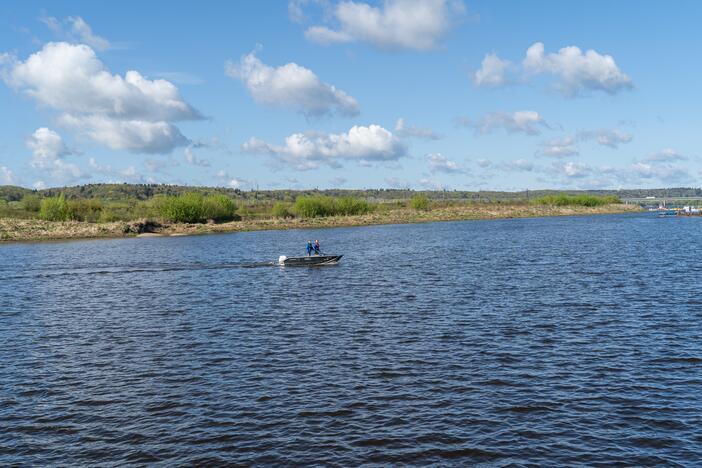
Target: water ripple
[536, 342]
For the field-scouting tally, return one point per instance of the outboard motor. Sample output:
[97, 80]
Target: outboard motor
[282, 259]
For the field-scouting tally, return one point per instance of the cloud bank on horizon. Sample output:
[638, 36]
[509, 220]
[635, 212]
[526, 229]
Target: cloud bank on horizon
[359, 93]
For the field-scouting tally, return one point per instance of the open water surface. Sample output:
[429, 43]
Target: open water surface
[550, 342]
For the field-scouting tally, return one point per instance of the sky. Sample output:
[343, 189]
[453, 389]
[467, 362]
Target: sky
[431, 94]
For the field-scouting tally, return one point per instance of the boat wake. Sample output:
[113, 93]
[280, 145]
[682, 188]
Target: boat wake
[131, 269]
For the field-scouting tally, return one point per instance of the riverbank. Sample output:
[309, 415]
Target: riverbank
[16, 230]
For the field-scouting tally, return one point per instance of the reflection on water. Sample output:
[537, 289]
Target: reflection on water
[557, 341]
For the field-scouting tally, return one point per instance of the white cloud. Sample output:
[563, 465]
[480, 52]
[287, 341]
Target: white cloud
[338, 181]
[568, 145]
[304, 151]
[85, 33]
[231, 181]
[396, 24]
[663, 172]
[397, 183]
[606, 137]
[291, 85]
[7, 177]
[138, 136]
[577, 71]
[39, 185]
[404, 130]
[48, 152]
[130, 112]
[572, 169]
[666, 155]
[492, 71]
[528, 122]
[519, 165]
[129, 174]
[559, 147]
[193, 160]
[75, 29]
[484, 162]
[432, 184]
[440, 163]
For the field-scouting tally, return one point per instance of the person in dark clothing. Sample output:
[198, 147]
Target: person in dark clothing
[316, 247]
[309, 248]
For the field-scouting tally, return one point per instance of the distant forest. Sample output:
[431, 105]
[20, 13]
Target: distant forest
[146, 191]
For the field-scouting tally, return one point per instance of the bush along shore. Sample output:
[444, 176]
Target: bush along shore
[56, 217]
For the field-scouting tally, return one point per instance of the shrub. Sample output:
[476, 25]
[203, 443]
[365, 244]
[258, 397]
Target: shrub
[576, 200]
[352, 206]
[280, 210]
[85, 210]
[194, 208]
[320, 206]
[55, 209]
[419, 202]
[314, 207]
[218, 208]
[185, 208]
[31, 203]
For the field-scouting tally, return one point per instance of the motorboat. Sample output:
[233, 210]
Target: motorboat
[312, 260]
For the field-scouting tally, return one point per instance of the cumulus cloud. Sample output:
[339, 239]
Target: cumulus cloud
[311, 150]
[432, 184]
[130, 112]
[576, 71]
[231, 181]
[292, 86]
[193, 160]
[653, 170]
[492, 71]
[75, 29]
[666, 155]
[559, 147]
[572, 169]
[529, 122]
[404, 130]
[519, 165]
[568, 145]
[7, 177]
[48, 153]
[397, 183]
[129, 174]
[606, 137]
[338, 181]
[440, 163]
[396, 24]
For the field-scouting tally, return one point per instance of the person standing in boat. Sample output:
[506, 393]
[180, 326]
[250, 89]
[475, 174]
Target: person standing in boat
[316, 247]
[309, 248]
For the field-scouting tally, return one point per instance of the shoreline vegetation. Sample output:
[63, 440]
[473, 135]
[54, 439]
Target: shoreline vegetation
[57, 214]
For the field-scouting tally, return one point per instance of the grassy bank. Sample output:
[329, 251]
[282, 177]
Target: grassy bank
[33, 229]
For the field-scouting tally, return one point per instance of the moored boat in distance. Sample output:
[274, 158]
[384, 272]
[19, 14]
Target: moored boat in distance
[313, 260]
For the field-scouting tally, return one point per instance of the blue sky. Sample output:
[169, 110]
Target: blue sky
[472, 95]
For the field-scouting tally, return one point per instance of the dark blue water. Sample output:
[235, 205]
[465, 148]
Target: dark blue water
[560, 341]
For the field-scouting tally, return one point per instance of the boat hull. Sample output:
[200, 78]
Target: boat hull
[314, 260]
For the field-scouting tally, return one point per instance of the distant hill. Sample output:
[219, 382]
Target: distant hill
[147, 191]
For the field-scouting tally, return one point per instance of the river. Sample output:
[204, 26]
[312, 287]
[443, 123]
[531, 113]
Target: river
[550, 341]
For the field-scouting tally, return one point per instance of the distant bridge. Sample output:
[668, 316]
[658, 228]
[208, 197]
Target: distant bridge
[665, 201]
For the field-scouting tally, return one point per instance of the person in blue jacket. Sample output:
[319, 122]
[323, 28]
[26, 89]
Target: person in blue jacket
[309, 248]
